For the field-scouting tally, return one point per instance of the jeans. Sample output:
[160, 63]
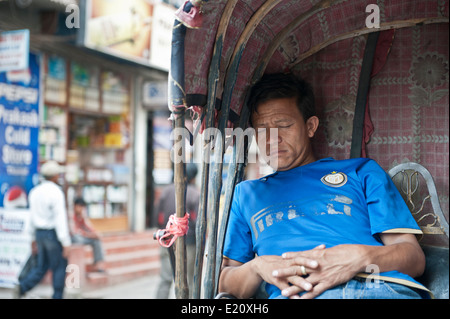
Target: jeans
[96, 245]
[49, 256]
[360, 289]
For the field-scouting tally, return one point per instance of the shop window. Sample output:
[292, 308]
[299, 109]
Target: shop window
[86, 126]
[99, 163]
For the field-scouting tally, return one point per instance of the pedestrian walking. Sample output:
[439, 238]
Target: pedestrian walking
[50, 232]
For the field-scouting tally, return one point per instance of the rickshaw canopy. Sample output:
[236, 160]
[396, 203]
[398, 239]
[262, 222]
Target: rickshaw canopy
[379, 72]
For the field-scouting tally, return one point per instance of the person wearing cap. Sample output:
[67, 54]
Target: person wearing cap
[50, 232]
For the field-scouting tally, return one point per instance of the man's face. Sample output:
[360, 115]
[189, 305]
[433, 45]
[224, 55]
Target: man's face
[78, 209]
[282, 134]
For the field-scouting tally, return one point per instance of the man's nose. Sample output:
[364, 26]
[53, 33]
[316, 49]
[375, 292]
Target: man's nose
[269, 136]
[272, 136]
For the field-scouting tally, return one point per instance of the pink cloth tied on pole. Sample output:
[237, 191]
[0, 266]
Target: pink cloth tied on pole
[175, 227]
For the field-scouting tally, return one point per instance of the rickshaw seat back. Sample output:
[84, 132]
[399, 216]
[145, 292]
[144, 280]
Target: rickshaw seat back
[417, 187]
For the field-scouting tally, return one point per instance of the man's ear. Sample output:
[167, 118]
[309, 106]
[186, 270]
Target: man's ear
[311, 125]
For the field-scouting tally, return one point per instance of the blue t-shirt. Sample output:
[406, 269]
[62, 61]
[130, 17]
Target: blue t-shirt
[329, 202]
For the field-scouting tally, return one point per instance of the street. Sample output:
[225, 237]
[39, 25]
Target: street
[140, 288]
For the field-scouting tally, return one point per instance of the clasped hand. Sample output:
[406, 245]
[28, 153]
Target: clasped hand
[324, 267]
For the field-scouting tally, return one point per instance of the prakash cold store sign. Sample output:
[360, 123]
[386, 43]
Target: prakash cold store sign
[135, 30]
[19, 128]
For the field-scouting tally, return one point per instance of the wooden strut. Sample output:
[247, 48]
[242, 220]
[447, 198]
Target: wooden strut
[213, 79]
[181, 285]
[178, 103]
[383, 27]
[235, 175]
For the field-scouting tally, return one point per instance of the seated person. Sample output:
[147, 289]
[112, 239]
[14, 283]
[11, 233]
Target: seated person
[315, 228]
[83, 232]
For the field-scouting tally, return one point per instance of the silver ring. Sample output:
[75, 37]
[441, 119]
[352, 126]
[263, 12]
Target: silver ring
[303, 270]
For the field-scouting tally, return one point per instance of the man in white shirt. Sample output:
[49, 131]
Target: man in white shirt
[50, 232]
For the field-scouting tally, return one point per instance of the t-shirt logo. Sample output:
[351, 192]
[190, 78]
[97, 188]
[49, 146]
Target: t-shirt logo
[334, 179]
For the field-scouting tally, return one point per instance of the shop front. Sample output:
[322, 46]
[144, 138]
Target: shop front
[93, 118]
[87, 125]
[89, 116]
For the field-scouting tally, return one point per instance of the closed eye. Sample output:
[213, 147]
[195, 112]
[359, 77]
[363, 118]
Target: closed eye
[279, 124]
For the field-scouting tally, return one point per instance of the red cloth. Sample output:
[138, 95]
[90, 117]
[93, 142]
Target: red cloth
[82, 227]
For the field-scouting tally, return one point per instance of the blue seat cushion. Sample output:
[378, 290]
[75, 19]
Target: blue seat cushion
[435, 276]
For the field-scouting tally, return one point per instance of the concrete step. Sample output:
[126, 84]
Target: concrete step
[128, 245]
[122, 274]
[128, 235]
[127, 256]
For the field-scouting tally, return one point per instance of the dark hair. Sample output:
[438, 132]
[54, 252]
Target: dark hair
[282, 85]
[79, 201]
